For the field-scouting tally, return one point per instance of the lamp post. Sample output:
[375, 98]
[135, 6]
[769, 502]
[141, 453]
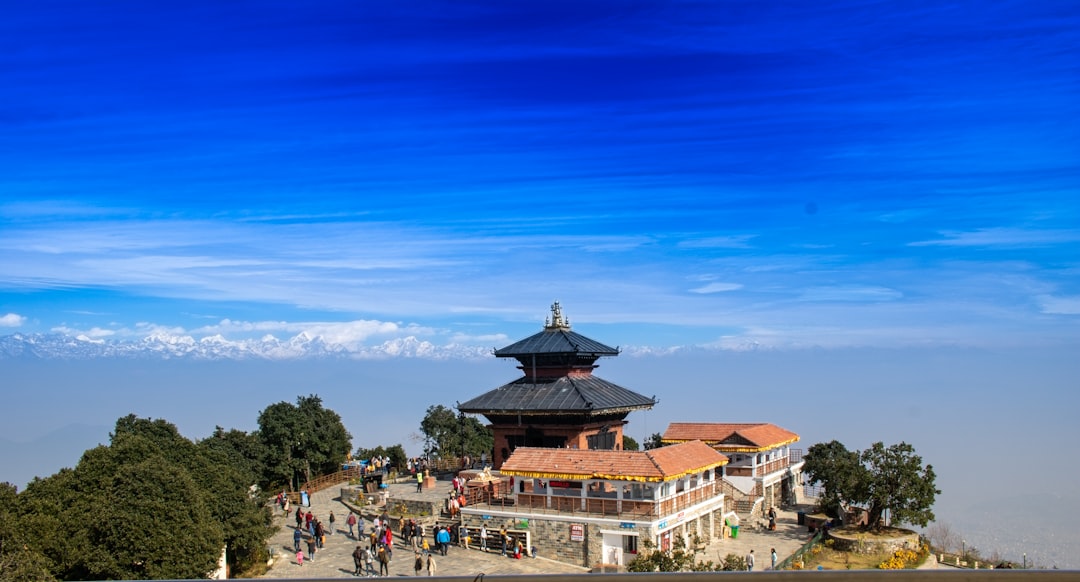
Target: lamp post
[461, 431]
[963, 552]
[1025, 560]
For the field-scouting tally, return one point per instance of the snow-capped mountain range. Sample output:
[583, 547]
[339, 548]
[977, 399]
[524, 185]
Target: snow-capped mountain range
[217, 347]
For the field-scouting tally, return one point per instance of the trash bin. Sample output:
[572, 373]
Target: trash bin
[734, 531]
[802, 517]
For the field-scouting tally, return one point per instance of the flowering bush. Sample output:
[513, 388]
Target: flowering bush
[899, 560]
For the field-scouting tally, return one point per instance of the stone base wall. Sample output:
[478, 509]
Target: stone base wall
[853, 541]
[413, 507]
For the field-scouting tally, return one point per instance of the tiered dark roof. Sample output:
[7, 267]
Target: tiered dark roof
[583, 394]
[556, 341]
[558, 381]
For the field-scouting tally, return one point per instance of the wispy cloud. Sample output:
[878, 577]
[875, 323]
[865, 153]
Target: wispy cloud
[1069, 305]
[1003, 237]
[717, 288]
[850, 293]
[735, 241]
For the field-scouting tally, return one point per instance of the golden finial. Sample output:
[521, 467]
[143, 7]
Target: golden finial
[556, 321]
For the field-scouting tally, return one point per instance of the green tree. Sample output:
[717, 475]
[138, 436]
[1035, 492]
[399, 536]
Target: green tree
[447, 434]
[878, 479]
[125, 511]
[839, 471]
[900, 484]
[396, 453]
[20, 561]
[655, 441]
[300, 442]
[629, 444]
[225, 466]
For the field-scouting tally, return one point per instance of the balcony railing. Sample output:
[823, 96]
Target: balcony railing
[759, 471]
[637, 509]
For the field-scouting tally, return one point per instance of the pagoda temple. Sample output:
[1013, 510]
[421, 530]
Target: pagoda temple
[558, 402]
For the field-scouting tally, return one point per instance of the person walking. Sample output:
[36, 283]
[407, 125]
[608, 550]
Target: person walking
[351, 522]
[772, 519]
[331, 520]
[443, 537]
[419, 481]
[483, 538]
[358, 559]
[772, 556]
[311, 550]
[418, 564]
[750, 561]
[431, 565]
[299, 558]
[384, 562]
[369, 562]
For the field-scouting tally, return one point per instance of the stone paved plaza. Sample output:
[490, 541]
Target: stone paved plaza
[335, 559]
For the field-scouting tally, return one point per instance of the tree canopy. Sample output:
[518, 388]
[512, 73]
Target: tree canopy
[396, 453]
[653, 442]
[133, 509]
[878, 479]
[300, 441]
[153, 504]
[447, 435]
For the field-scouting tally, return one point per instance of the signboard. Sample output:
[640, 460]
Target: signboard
[577, 532]
[626, 525]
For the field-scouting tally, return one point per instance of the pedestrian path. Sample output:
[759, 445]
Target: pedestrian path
[335, 559]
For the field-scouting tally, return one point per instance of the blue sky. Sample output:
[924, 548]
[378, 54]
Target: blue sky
[868, 208]
[723, 174]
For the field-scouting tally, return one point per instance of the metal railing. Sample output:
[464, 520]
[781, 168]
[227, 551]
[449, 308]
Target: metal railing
[799, 553]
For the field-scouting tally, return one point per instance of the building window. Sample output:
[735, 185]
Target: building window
[629, 544]
[604, 441]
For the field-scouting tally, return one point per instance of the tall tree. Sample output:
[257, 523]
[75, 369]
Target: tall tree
[878, 479]
[448, 434]
[899, 483]
[301, 441]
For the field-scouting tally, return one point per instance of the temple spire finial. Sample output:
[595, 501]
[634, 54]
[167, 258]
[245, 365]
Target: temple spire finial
[556, 321]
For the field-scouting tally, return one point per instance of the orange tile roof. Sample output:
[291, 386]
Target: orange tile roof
[731, 437]
[663, 464]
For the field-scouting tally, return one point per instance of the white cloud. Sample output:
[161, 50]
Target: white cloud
[717, 288]
[12, 320]
[1060, 305]
[94, 332]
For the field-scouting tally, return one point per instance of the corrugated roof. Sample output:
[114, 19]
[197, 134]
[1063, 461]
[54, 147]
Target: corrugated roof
[582, 394]
[556, 341]
[731, 436]
[663, 464]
